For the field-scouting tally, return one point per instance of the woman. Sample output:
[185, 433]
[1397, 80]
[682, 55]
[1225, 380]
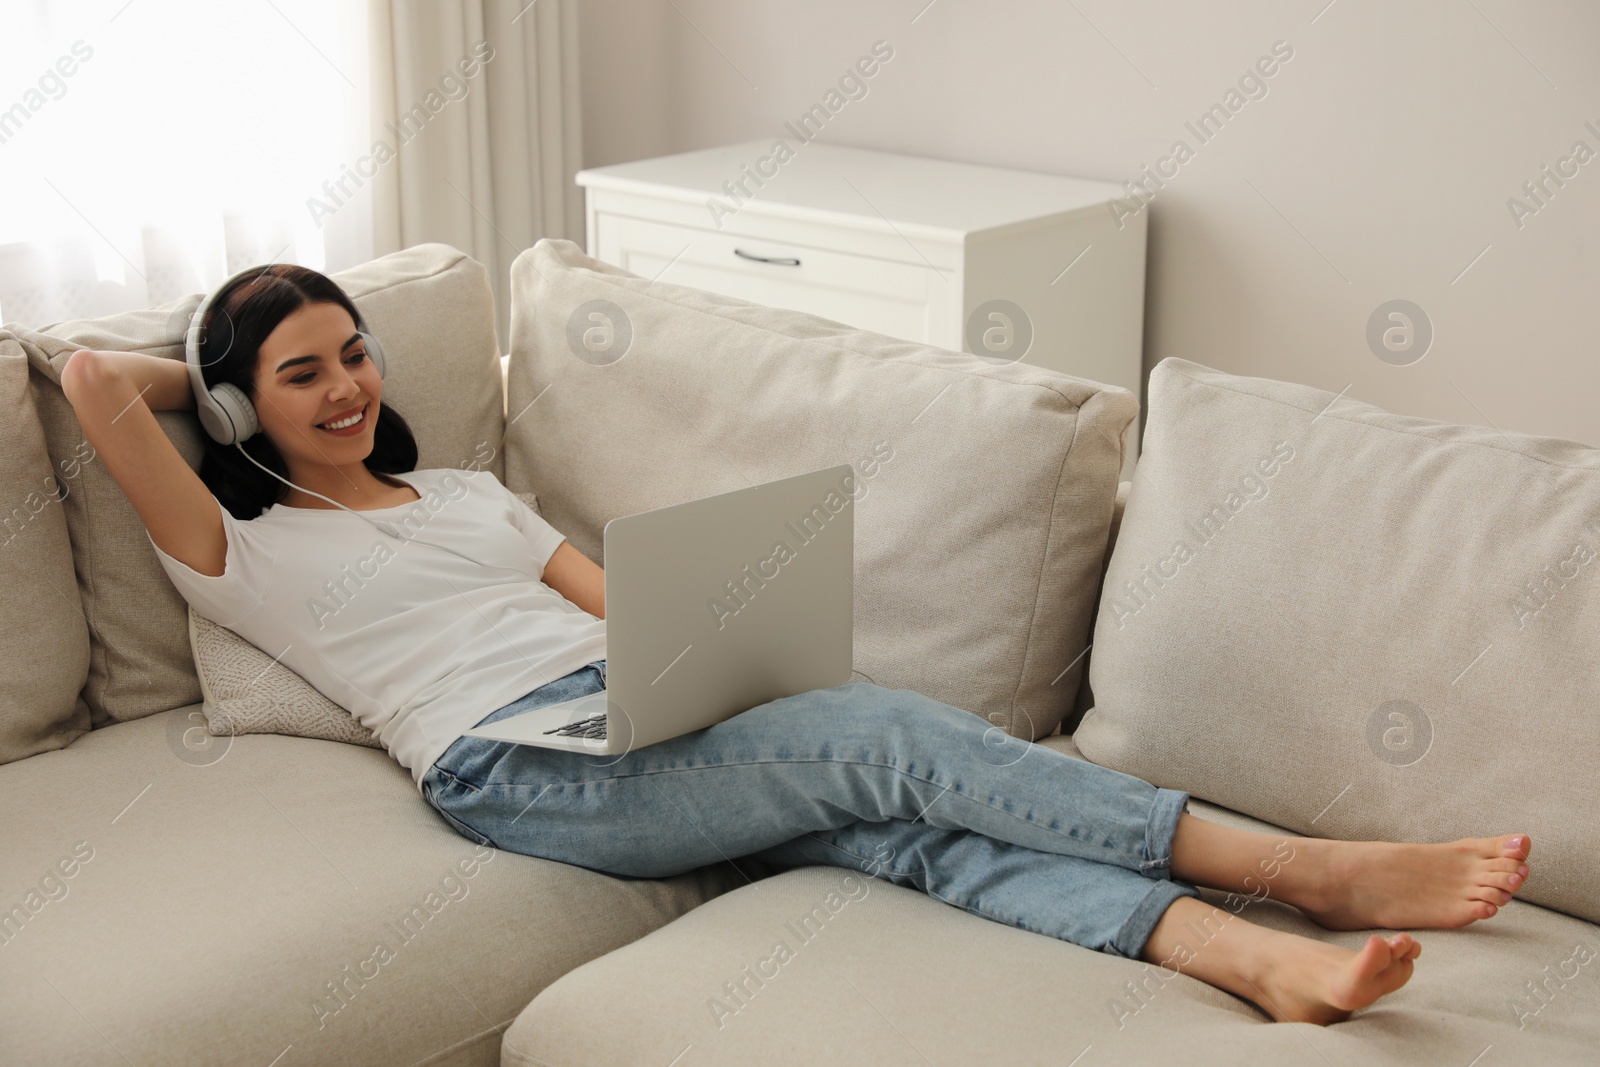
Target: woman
[492, 612]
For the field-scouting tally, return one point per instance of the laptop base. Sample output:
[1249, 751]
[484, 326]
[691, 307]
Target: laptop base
[527, 728]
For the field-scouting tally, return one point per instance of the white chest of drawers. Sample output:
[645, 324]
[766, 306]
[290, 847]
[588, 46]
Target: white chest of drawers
[915, 248]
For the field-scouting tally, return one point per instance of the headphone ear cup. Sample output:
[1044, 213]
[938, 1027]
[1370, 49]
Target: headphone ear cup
[237, 409]
[375, 353]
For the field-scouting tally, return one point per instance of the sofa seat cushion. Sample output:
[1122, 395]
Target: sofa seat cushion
[181, 898]
[895, 976]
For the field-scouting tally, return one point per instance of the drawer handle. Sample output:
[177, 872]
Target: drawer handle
[782, 261]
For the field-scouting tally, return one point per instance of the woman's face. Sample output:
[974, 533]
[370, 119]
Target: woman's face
[314, 370]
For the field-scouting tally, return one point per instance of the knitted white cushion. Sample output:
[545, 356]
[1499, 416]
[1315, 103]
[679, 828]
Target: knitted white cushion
[246, 691]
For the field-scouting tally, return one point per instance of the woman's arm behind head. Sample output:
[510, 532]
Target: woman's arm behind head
[164, 383]
[113, 394]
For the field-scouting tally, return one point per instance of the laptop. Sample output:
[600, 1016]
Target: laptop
[713, 607]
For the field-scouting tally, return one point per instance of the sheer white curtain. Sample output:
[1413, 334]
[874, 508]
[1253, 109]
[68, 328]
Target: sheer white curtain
[482, 98]
[150, 148]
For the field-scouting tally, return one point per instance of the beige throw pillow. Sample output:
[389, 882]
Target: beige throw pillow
[1359, 625]
[984, 491]
[247, 691]
[44, 646]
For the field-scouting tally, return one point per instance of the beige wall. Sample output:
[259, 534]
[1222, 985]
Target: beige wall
[1377, 165]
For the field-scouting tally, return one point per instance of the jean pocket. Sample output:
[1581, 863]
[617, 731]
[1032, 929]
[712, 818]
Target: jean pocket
[466, 831]
[455, 824]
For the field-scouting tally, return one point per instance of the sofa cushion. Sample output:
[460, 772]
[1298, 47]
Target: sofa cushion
[1356, 624]
[1085, 699]
[224, 900]
[247, 691]
[985, 491]
[44, 649]
[434, 310]
[895, 976]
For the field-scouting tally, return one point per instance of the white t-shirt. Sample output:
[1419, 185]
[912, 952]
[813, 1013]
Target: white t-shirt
[416, 642]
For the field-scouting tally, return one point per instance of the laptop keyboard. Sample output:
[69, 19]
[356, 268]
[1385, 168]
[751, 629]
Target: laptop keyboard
[594, 728]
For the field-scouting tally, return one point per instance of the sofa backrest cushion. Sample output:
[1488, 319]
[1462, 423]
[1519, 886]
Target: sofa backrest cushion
[1085, 699]
[984, 492]
[433, 309]
[44, 645]
[1359, 625]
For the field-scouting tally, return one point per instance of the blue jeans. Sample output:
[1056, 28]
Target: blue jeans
[886, 780]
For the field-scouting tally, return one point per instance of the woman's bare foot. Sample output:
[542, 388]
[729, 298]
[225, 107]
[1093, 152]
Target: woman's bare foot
[1356, 885]
[1291, 978]
[1366, 885]
[1323, 984]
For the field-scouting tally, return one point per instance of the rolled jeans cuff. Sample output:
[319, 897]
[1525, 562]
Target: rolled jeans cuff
[1160, 828]
[1130, 939]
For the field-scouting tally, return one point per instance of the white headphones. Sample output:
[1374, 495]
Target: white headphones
[229, 417]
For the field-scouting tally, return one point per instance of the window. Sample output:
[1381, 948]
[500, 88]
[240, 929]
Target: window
[150, 148]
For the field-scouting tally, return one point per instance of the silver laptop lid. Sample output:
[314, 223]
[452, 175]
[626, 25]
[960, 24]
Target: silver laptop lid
[720, 604]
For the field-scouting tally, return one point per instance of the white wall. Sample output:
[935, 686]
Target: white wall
[1377, 165]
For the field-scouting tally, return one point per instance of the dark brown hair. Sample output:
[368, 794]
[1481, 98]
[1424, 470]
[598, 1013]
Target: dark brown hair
[239, 319]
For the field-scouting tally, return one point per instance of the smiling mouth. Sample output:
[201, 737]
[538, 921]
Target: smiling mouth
[347, 424]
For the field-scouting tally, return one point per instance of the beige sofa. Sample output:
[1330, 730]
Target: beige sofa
[171, 895]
